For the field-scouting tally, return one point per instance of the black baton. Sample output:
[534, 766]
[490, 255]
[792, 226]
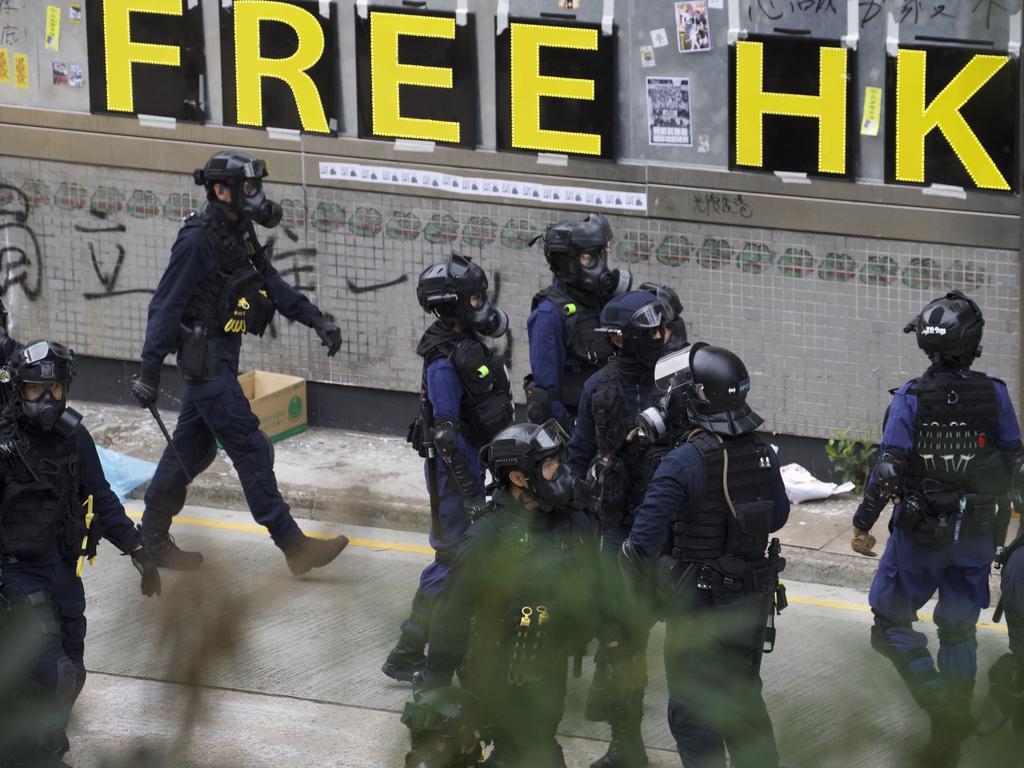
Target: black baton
[167, 437]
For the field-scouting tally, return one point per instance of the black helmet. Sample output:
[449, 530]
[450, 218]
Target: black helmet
[447, 726]
[42, 362]
[243, 175]
[526, 447]
[637, 318]
[566, 241]
[457, 290]
[949, 330]
[710, 384]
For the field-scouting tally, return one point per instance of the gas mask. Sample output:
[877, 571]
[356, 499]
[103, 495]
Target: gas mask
[253, 204]
[556, 492]
[600, 281]
[489, 321]
[673, 377]
[45, 411]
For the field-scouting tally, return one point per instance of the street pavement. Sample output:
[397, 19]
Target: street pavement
[241, 664]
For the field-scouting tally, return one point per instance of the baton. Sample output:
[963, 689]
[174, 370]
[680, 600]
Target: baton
[167, 437]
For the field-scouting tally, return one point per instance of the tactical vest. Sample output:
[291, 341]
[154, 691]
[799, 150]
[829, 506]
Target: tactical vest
[232, 297]
[955, 435]
[586, 351]
[41, 517]
[711, 530]
[486, 406]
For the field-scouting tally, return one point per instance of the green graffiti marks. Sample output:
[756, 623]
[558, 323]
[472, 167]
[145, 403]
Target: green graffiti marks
[365, 222]
[479, 231]
[403, 225]
[293, 213]
[37, 191]
[714, 253]
[71, 196]
[517, 234]
[178, 206]
[880, 270]
[441, 229]
[143, 204]
[922, 273]
[328, 217]
[837, 268]
[755, 258]
[107, 200]
[967, 276]
[796, 262]
[633, 248]
[673, 250]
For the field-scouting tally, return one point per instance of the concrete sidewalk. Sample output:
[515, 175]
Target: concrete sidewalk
[364, 479]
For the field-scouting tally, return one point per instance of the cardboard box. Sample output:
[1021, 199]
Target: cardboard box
[278, 400]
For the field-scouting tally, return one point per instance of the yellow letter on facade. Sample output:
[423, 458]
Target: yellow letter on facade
[387, 75]
[915, 120]
[828, 107]
[251, 67]
[120, 52]
[529, 85]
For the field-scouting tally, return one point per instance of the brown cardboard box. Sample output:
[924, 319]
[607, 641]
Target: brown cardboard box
[278, 400]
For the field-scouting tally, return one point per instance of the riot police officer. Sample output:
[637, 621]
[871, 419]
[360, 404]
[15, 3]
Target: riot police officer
[605, 445]
[55, 504]
[465, 398]
[220, 284]
[522, 578]
[447, 726]
[946, 452]
[565, 346]
[706, 519]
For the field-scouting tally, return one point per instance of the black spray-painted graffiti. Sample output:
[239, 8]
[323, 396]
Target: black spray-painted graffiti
[711, 203]
[108, 279]
[375, 286]
[20, 255]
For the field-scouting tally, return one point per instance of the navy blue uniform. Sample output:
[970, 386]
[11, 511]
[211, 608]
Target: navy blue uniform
[50, 585]
[714, 689]
[213, 409]
[909, 573]
[546, 330]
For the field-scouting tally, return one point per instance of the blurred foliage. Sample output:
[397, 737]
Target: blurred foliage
[851, 457]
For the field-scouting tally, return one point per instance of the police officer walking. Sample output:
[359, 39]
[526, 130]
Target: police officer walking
[465, 398]
[220, 284]
[706, 520]
[947, 449]
[55, 505]
[606, 446]
[522, 577]
[565, 346]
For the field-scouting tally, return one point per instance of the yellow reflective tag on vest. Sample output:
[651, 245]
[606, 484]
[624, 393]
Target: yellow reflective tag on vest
[483, 371]
[85, 539]
[570, 309]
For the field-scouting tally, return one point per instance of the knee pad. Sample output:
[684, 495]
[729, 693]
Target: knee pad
[879, 640]
[956, 635]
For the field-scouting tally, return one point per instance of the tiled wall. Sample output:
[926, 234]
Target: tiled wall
[817, 318]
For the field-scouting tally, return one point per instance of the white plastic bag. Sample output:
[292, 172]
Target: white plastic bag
[801, 485]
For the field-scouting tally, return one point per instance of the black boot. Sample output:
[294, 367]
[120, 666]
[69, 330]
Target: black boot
[407, 657]
[626, 749]
[306, 553]
[169, 555]
[951, 724]
[601, 689]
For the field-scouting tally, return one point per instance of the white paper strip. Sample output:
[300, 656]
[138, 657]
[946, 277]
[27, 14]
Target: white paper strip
[501, 17]
[852, 36]
[892, 34]
[735, 31]
[1013, 45]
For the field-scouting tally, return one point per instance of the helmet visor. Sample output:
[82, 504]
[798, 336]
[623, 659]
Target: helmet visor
[673, 370]
[649, 316]
[254, 169]
[550, 436]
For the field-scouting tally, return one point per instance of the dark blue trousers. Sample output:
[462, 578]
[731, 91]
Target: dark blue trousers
[57, 602]
[212, 411]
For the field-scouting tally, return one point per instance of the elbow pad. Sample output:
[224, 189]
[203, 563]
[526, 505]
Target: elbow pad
[889, 473]
[446, 443]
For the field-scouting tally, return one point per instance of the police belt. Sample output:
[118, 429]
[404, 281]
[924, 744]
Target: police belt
[736, 577]
[936, 517]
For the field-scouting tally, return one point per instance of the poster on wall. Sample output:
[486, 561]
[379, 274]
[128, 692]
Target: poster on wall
[952, 118]
[556, 88]
[668, 112]
[775, 126]
[416, 75]
[693, 28]
[145, 62]
[279, 65]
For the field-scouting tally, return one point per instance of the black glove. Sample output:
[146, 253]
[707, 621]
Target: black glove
[582, 493]
[329, 333]
[147, 568]
[146, 386]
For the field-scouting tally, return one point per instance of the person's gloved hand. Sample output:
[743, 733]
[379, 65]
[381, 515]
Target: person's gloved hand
[329, 333]
[147, 568]
[582, 493]
[863, 542]
[146, 386]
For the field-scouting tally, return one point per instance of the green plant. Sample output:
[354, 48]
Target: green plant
[851, 457]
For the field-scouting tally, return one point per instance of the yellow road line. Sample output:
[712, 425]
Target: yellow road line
[382, 545]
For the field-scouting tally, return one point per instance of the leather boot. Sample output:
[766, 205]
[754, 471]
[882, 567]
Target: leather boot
[626, 749]
[306, 553]
[167, 554]
[407, 657]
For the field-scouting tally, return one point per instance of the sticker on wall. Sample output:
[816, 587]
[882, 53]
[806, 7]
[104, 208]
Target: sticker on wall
[279, 64]
[668, 111]
[693, 28]
[149, 62]
[21, 71]
[71, 196]
[714, 253]
[647, 56]
[872, 111]
[328, 217]
[5, 66]
[416, 76]
[441, 230]
[75, 13]
[68, 74]
[51, 40]
[659, 37]
[673, 250]
[796, 262]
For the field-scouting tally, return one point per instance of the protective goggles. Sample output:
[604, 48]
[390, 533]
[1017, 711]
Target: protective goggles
[648, 318]
[550, 437]
[254, 169]
[41, 350]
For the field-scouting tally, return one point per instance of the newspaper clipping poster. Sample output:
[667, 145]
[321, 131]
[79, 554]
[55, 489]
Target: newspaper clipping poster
[668, 111]
[693, 30]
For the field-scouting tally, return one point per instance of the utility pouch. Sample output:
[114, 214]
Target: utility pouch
[981, 512]
[529, 641]
[674, 581]
[930, 526]
[194, 359]
[244, 306]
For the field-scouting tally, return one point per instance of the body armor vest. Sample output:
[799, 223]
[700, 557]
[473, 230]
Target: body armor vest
[586, 349]
[486, 406]
[955, 435]
[41, 517]
[232, 297]
[713, 531]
